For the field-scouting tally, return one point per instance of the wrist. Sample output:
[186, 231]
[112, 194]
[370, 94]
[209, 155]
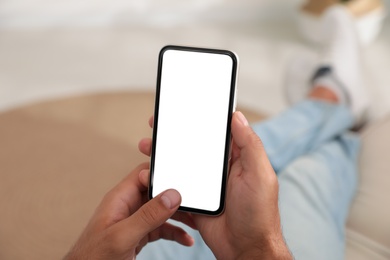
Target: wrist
[271, 248]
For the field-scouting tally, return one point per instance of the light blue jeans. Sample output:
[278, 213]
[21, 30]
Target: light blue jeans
[315, 158]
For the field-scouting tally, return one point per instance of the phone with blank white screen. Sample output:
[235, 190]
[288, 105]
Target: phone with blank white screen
[195, 100]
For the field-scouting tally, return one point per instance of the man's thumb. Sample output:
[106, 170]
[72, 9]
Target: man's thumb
[242, 133]
[154, 213]
[246, 140]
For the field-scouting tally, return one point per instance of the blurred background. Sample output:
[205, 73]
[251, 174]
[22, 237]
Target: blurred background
[56, 48]
[77, 80]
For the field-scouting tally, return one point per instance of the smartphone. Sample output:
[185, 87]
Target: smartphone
[195, 100]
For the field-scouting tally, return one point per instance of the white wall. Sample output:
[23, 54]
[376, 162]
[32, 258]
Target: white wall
[54, 48]
[70, 13]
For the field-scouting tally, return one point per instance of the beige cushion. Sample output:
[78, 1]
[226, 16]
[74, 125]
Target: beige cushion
[368, 228]
[57, 160]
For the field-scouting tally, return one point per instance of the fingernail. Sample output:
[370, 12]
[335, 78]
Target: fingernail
[171, 199]
[242, 118]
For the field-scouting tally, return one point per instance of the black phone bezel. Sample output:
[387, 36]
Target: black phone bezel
[228, 128]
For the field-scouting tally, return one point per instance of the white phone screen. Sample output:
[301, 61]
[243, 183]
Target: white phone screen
[192, 131]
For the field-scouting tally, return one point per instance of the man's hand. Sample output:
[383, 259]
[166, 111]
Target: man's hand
[249, 228]
[125, 222]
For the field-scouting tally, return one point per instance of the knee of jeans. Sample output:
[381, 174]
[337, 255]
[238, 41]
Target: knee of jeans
[340, 157]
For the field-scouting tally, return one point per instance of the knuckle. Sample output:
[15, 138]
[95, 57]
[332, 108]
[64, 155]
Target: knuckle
[149, 214]
[255, 140]
[273, 180]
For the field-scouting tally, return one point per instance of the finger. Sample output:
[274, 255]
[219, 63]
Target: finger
[183, 217]
[144, 178]
[122, 200]
[131, 180]
[170, 232]
[145, 146]
[251, 148]
[141, 245]
[151, 120]
[128, 191]
[150, 216]
[235, 152]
